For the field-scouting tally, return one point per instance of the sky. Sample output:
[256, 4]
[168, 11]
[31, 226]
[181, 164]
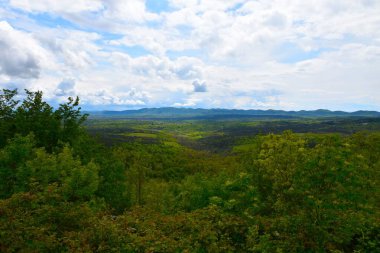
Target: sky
[257, 54]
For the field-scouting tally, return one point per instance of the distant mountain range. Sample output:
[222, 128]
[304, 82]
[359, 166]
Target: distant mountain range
[189, 113]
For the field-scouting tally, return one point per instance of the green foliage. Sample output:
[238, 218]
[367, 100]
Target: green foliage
[233, 193]
[13, 175]
[71, 118]
[311, 199]
[79, 182]
[22, 164]
[62, 191]
[34, 115]
[41, 221]
[205, 230]
[113, 181]
[7, 111]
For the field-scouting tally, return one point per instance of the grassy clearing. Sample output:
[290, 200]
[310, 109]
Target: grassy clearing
[141, 135]
[172, 144]
[242, 148]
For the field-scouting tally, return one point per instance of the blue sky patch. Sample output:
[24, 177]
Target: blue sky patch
[290, 53]
[157, 6]
[134, 51]
[48, 20]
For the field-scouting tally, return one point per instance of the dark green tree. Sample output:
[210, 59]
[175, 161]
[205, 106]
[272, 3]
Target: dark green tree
[8, 105]
[71, 118]
[37, 116]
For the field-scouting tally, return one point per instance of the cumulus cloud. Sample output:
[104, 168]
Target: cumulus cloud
[76, 49]
[276, 20]
[69, 6]
[187, 68]
[185, 104]
[183, 68]
[131, 10]
[104, 97]
[19, 53]
[122, 53]
[65, 88]
[199, 86]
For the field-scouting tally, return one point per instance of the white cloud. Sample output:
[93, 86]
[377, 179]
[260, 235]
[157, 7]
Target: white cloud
[69, 6]
[103, 97]
[65, 88]
[185, 104]
[76, 49]
[204, 5]
[199, 86]
[183, 68]
[131, 10]
[315, 53]
[21, 56]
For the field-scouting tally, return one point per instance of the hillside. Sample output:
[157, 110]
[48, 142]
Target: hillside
[198, 113]
[293, 185]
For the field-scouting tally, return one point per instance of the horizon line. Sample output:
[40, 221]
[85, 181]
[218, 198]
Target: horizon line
[230, 109]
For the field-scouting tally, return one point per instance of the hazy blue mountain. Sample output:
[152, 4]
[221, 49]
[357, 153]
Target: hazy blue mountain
[189, 113]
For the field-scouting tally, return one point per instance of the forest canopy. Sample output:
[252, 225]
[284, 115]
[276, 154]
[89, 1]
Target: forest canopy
[63, 190]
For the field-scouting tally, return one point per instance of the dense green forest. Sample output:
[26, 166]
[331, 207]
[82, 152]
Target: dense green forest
[72, 184]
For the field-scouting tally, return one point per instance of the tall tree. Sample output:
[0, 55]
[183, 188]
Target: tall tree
[8, 105]
[71, 118]
[35, 115]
